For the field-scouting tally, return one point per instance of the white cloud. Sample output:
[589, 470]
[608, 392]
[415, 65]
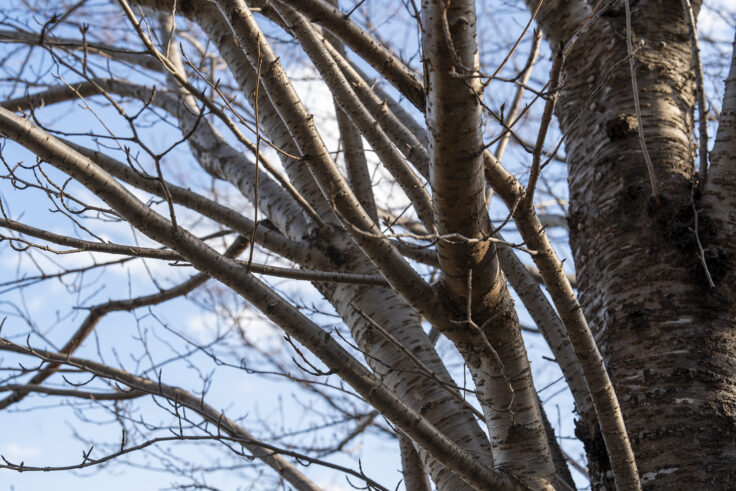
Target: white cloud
[16, 452]
[259, 331]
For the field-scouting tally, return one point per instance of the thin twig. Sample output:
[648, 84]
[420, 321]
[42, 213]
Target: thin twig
[637, 107]
[502, 369]
[258, 158]
[702, 108]
[701, 252]
[555, 80]
[516, 44]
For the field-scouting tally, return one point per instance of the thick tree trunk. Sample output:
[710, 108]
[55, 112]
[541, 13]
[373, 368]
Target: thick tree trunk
[668, 339]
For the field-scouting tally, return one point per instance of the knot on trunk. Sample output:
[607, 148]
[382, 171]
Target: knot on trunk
[621, 126]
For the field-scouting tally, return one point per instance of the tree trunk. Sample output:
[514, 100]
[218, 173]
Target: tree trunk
[667, 337]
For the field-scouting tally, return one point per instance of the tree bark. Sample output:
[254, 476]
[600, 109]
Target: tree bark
[472, 281]
[666, 337]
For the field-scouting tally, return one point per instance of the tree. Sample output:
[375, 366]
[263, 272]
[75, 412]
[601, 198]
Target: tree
[401, 253]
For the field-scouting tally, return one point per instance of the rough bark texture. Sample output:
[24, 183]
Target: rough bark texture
[667, 338]
[719, 196]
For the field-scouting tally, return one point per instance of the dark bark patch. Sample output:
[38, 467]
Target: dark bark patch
[595, 447]
[335, 255]
[519, 434]
[629, 200]
[185, 6]
[621, 126]
[674, 223]
[618, 9]
[721, 265]
[371, 337]
[575, 220]
[635, 317]
[720, 258]
[428, 406]
[323, 241]
[677, 226]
